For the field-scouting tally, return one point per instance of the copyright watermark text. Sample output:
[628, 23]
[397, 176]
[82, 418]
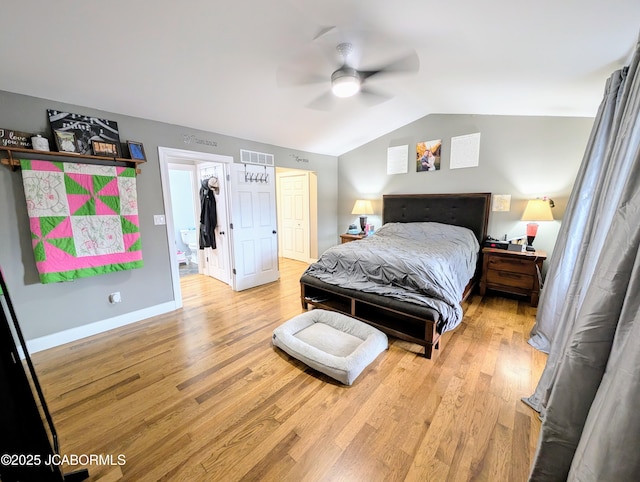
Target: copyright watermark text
[57, 459]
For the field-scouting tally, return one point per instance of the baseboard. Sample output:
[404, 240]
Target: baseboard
[74, 334]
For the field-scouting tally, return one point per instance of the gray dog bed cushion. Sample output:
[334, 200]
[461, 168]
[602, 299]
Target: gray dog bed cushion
[332, 343]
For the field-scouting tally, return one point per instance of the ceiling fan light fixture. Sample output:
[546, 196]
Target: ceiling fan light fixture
[345, 82]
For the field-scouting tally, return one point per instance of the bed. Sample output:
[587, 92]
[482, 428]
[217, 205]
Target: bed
[397, 303]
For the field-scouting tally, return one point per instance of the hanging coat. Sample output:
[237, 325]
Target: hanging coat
[208, 216]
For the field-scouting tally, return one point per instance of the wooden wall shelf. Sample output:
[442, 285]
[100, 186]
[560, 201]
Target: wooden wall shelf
[14, 154]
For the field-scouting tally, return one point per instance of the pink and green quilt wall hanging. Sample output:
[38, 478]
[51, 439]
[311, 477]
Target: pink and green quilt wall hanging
[83, 218]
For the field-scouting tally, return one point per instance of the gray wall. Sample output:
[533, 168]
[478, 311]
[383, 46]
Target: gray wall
[525, 157]
[521, 156]
[47, 309]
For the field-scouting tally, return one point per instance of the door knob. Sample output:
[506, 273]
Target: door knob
[274, 231]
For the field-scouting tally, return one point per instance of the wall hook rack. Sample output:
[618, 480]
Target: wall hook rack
[256, 176]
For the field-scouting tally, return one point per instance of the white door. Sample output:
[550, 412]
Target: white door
[254, 238]
[215, 262]
[293, 203]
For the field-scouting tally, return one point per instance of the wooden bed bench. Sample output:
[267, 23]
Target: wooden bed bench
[416, 324]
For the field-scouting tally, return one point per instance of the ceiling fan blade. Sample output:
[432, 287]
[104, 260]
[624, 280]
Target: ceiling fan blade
[324, 102]
[410, 63]
[373, 97]
[323, 31]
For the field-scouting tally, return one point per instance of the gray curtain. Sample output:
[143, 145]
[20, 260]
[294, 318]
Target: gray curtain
[583, 228]
[588, 315]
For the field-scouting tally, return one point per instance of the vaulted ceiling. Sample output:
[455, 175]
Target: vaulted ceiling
[233, 66]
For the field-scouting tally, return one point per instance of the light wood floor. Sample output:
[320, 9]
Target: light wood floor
[200, 394]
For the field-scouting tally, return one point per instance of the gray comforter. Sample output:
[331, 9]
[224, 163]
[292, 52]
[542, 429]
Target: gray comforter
[422, 263]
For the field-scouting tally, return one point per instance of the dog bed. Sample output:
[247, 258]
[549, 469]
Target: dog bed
[332, 343]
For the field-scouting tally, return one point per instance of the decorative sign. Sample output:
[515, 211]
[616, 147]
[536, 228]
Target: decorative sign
[191, 139]
[397, 159]
[465, 151]
[501, 202]
[19, 139]
[299, 159]
[85, 128]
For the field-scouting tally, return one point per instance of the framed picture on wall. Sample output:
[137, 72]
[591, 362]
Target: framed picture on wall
[428, 155]
[85, 128]
[136, 151]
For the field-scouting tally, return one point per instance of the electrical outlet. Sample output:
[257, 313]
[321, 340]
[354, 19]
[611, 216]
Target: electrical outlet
[159, 219]
[115, 298]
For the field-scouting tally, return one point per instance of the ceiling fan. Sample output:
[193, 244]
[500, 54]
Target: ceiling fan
[347, 81]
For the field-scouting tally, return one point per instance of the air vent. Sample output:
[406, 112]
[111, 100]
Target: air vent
[259, 158]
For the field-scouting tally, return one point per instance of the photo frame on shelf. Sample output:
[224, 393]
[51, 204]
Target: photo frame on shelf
[136, 151]
[104, 148]
[66, 141]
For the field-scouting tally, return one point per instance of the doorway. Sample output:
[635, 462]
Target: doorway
[182, 178]
[192, 159]
[297, 214]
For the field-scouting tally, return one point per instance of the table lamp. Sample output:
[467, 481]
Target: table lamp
[362, 207]
[536, 210]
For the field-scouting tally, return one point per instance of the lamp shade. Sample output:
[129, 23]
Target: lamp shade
[362, 206]
[537, 210]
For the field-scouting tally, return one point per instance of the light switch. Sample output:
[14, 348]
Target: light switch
[159, 219]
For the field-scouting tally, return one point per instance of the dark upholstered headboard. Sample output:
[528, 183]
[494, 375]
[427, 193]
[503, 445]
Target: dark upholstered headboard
[470, 210]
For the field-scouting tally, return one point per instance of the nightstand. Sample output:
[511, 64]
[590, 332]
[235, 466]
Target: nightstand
[345, 238]
[517, 272]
